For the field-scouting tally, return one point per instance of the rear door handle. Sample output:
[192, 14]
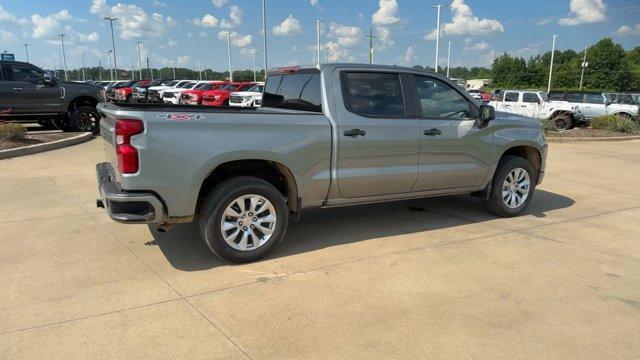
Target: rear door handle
[17, 89]
[355, 133]
[432, 132]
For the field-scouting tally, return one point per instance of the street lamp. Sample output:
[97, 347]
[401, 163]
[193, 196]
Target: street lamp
[584, 65]
[139, 61]
[110, 64]
[448, 58]
[84, 78]
[253, 56]
[553, 51]
[64, 56]
[438, 7]
[318, 22]
[26, 50]
[113, 45]
[264, 36]
[229, 55]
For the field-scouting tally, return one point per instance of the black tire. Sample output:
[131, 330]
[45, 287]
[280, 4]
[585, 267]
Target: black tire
[214, 205]
[495, 202]
[86, 119]
[562, 122]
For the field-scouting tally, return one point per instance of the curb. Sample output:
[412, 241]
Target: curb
[594, 139]
[38, 148]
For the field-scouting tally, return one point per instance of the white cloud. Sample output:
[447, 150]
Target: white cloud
[585, 12]
[543, 22]
[410, 55]
[48, 26]
[386, 13]
[158, 3]
[528, 51]
[172, 42]
[481, 46]
[207, 21]
[346, 36]
[8, 17]
[235, 18]
[625, 30]
[7, 37]
[203, 34]
[313, 2]
[290, 26]
[133, 21]
[183, 59]
[237, 40]
[335, 51]
[384, 36]
[463, 22]
[219, 3]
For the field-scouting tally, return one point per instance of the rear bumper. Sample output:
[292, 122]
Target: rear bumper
[127, 207]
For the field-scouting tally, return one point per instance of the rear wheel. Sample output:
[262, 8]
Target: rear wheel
[562, 122]
[243, 218]
[512, 187]
[85, 118]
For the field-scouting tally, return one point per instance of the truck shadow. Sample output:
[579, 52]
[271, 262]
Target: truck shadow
[324, 228]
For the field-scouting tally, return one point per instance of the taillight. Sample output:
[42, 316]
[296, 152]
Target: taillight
[127, 154]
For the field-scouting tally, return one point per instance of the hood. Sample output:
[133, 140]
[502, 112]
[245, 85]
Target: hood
[510, 118]
[159, 87]
[246, 93]
[78, 85]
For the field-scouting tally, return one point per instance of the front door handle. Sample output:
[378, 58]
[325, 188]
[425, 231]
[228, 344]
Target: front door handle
[17, 89]
[432, 132]
[355, 133]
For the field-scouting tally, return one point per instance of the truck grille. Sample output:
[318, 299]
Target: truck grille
[185, 96]
[235, 99]
[167, 95]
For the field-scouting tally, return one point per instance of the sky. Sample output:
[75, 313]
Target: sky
[193, 33]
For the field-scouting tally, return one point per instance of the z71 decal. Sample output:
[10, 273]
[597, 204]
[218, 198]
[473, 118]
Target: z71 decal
[180, 117]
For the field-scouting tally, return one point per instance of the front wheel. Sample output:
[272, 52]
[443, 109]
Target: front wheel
[512, 187]
[562, 122]
[243, 218]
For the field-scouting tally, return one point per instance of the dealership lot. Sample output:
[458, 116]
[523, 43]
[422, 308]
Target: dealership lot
[434, 278]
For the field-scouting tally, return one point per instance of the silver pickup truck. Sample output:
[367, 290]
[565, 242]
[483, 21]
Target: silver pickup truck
[325, 136]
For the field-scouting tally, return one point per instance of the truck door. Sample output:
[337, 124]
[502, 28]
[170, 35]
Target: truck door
[378, 138]
[594, 106]
[455, 149]
[6, 91]
[510, 102]
[530, 105]
[29, 94]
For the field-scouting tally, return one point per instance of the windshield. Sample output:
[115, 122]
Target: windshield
[156, 82]
[204, 86]
[171, 83]
[543, 96]
[230, 87]
[188, 85]
[607, 98]
[256, 88]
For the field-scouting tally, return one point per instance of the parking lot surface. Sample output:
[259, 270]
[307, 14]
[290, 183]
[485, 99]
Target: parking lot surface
[432, 278]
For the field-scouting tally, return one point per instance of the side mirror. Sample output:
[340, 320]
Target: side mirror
[48, 79]
[487, 113]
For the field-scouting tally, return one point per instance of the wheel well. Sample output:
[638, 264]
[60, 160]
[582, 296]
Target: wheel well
[272, 172]
[561, 112]
[527, 152]
[82, 101]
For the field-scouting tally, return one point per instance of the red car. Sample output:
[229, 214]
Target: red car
[485, 97]
[194, 96]
[124, 93]
[220, 97]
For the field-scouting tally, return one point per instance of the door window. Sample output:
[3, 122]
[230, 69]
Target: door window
[594, 99]
[530, 98]
[439, 100]
[575, 97]
[19, 72]
[374, 94]
[511, 96]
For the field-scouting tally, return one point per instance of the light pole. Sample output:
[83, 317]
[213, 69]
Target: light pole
[326, 54]
[26, 50]
[264, 36]
[173, 63]
[584, 65]
[59, 59]
[229, 54]
[553, 51]
[110, 64]
[100, 69]
[318, 22]
[253, 56]
[84, 77]
[371, 37]
[438, 7]
[139, 61]
[64, 56]
[448, 58]
[113, 45]
[55, 71]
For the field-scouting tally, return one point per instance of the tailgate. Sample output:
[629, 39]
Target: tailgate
[108, 134]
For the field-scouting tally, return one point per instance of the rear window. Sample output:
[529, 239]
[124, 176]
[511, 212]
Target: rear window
[374, 94]
[299, 91]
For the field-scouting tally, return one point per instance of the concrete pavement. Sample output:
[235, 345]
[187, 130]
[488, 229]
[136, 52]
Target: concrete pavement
[433, 278]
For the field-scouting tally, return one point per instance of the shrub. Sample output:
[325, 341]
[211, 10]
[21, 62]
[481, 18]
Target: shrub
[11, 131]
[616, 124]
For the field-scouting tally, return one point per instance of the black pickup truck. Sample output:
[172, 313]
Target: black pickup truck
[28, 93]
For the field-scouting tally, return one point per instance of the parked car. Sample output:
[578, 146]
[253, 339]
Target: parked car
[475, 93]
[141, 90]
[220, 97]
[125, 93]
[155, 93]
[594, 104]
[172, 96]
[535, 104]
[194, 96]
[332, 135]
[252, 97]
[110, 91]
[28, 93]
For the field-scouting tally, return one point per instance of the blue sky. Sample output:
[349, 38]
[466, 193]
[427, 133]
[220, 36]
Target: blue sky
[188, 32]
